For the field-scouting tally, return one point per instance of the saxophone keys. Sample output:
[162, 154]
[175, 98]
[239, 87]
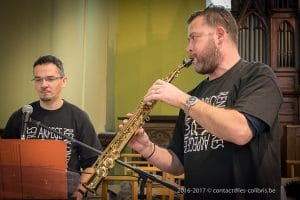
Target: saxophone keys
[102, 172]
[147, 118]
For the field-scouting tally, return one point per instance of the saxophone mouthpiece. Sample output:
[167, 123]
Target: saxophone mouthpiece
[187, 62]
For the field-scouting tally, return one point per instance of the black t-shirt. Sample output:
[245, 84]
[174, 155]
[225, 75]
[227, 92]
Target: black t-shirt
[69, 120]
[215, 168]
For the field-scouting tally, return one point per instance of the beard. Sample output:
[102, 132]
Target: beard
[45, 99]
[209, 59]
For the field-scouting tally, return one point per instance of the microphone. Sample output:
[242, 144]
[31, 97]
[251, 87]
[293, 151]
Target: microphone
[26, 110]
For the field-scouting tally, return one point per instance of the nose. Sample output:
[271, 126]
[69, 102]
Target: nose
[188, 47]
[44, 83]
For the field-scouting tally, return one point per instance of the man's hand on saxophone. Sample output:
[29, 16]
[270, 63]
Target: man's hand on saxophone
[166, 92]
[81, 192]
[140, 142]
[162, 158]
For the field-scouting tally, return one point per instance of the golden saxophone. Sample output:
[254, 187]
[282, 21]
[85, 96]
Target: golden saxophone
[112, 152]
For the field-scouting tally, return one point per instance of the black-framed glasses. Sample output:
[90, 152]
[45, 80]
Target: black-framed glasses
[49, 79]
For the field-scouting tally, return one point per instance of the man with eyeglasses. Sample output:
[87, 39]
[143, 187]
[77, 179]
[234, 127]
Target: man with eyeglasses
[226, 140]
[51, 110]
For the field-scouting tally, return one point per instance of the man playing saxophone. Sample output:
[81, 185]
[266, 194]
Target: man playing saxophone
[226, 139]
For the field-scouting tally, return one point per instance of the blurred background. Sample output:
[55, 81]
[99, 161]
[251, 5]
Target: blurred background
[112, 51]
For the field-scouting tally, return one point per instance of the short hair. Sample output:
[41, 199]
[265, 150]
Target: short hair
[218, 16]
[50, 59]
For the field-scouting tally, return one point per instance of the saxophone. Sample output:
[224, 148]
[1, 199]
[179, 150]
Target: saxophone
[112, 152]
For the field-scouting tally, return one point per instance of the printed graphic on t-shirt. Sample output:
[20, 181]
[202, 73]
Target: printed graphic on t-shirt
[196, 138]
[42, 133]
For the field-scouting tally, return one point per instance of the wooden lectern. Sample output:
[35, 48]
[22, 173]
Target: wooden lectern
[33, 169]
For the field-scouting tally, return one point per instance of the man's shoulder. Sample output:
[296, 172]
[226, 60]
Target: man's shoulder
[72, 107]
[254, 65]
[75, 112]
[253, 69]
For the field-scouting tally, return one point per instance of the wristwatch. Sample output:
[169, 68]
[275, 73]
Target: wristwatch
[192, 100]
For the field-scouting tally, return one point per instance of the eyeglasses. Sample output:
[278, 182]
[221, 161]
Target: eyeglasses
[49, 79]
[221, 11]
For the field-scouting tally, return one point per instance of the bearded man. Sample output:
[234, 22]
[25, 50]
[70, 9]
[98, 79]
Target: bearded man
[226, 140]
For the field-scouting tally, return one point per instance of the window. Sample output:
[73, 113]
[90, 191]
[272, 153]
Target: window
[253, 38]
[286, 45]
[225, 3]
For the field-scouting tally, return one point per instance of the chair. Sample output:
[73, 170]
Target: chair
[135, 160]
[112, 182]
[292, 179]
[106, 184]
[152, 188]
[292, 164]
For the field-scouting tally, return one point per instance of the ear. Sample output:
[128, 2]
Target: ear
[65, 80]
[220, 33]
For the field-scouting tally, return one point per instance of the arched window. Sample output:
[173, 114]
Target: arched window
[286, 45]
[253, 39]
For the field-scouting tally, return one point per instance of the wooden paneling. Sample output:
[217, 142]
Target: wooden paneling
[289, 110]
[293, 146]
[33, 169]
[288, 82]
[159, 128]
[160, 132]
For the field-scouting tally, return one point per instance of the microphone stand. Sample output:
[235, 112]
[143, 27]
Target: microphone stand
[143, 175]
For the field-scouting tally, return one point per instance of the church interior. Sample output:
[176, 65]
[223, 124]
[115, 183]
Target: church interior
[114, 50]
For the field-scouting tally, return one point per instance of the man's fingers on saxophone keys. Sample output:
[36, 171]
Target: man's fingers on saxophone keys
[123, 123]
[128, 115]
[140, 131]
[149, 103]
